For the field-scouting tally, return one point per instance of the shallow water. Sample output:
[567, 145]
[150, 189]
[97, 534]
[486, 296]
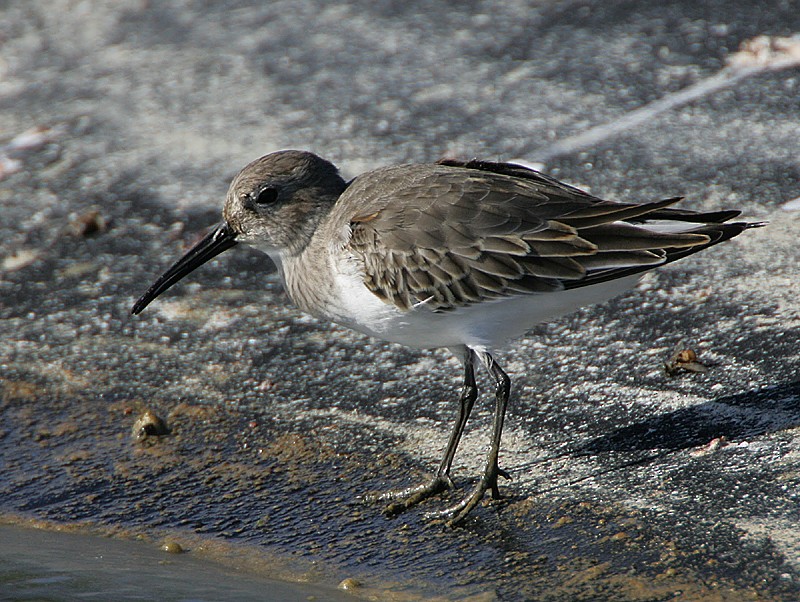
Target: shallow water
[53, 566]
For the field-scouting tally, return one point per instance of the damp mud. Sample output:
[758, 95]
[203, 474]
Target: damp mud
[225, 421]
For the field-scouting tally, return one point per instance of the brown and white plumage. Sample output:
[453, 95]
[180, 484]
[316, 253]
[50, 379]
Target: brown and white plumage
[463, 255]
[455, 234]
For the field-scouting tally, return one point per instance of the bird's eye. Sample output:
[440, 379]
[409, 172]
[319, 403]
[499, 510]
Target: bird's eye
[266, 196]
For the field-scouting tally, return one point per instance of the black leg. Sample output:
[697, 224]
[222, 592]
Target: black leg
[488, 481]
[469, 393]
[406, 498]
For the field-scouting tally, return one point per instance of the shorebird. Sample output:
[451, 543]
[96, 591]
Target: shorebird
[458, 255]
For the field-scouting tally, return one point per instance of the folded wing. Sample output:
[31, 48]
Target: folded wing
[457, 233]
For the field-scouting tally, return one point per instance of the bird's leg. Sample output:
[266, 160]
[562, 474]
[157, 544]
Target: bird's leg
[469, 393]
[488, 481]
[406, 498]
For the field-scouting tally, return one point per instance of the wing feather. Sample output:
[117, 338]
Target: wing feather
[454, 234]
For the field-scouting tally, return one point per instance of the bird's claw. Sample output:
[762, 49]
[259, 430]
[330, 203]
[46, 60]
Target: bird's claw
[403, 499]
[456, 514]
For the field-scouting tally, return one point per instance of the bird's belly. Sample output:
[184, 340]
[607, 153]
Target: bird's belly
[487, 325]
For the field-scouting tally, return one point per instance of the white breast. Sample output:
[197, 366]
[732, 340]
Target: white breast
[485, 325]
[355, 306]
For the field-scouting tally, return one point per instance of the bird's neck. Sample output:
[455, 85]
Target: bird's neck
[306, 278]
[307, 266]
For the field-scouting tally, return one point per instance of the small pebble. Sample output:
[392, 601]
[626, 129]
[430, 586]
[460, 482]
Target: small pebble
[172, 547]
[87, 224]
[349, 584]
[684, 359]
[148, 425]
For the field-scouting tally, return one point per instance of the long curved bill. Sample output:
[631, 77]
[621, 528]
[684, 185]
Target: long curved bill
[215, 242]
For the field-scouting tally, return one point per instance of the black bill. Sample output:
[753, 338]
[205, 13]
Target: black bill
[215, 242]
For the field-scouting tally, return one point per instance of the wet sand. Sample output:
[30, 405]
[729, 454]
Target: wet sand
[121, 124]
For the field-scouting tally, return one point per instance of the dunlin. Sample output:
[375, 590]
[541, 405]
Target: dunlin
[460, 255]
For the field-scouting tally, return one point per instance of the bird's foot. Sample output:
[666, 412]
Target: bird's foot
[403, 499]
[455, 515]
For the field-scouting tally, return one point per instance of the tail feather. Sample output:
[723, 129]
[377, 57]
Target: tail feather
[715, 233]
[685, 215]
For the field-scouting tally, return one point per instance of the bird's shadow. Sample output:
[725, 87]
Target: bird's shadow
[735, 417]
